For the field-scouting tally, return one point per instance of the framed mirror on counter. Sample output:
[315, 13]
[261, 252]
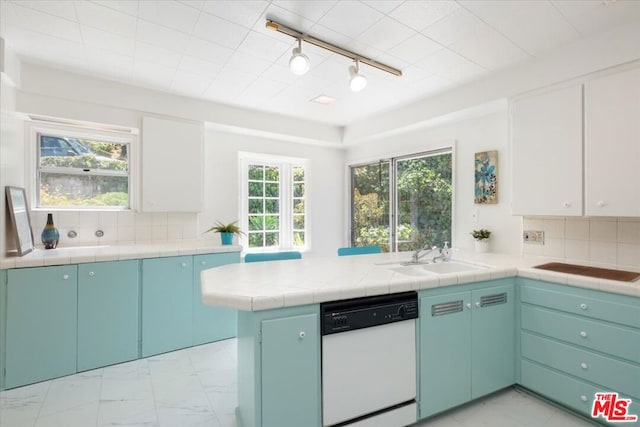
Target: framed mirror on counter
[20, 222]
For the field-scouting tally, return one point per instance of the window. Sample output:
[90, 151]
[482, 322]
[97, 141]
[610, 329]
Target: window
[274, 202]
[402, 203]
[78, 168]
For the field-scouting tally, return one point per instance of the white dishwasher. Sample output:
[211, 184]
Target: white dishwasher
[369, 361]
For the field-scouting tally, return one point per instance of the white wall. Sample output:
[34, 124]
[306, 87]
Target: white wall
[11, 146]
[325, 185]
[473, 135]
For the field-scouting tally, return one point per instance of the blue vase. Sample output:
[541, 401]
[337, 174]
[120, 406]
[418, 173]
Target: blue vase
[227, 238]
[50, 235]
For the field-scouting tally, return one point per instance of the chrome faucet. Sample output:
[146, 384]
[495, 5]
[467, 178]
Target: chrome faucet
[417, 255]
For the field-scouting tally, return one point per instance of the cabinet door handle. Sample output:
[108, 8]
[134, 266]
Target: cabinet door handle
[566, 204]
[583, 334]
[478, 304]
[184, 264]
[601, 203]
[91, 274]
[583, 306]
[468, 305]
[65, 277]
[584, 398]
[302, 334]
[203, 263]
[584, 365]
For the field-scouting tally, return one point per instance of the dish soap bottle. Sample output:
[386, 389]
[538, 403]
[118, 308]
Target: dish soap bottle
[446, 252]
[50, 235]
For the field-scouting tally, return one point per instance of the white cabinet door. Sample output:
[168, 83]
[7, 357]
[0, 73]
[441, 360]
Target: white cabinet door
[612, 145]
[546, 143]
[171, 165]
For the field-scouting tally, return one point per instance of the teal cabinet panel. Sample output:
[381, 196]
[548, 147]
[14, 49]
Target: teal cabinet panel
[3, 318]
[291, 372]
[493, 339]
[571, 392]
[108, 313]
[608, 307]
[611, 373]
[41, 324]
[445, 352]
[607, 338]
[167, 296]
[211, 323]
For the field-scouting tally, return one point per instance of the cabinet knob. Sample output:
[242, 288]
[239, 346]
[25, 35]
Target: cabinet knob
[584, 398]
[91, 274]
[65, 277]
[302, 334]
[601, 203]
[203, 262]
[184, 264]
[583, 306]
[566, 204]
[583, 365]
[478, 304]
[468, 305]
[583, 334]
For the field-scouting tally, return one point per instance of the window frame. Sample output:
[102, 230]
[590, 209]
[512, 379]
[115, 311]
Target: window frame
[392, 160]
[79, 131]
[286, 165]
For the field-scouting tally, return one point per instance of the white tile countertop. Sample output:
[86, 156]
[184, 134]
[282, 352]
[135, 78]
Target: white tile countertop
[83, 254]
[268, 285]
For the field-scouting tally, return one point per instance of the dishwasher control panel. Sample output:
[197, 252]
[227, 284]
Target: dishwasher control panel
[358, 313]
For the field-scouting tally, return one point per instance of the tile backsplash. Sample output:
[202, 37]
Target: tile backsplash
[118, 227]
[600, 242]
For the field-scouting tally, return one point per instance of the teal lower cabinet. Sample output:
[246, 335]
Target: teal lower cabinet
[466, 344]
[167, 299]
[41, 324]
[577, 342]
[211, 323]
[108, 313]
[279, 379]
[3, 321]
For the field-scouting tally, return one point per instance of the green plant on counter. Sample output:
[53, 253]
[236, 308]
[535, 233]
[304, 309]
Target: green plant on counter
[225, 228]
[481, 234]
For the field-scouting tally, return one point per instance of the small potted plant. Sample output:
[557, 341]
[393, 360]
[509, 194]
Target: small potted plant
[482, 239]
[226, 231]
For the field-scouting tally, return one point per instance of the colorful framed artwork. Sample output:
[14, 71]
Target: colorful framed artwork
[486, 175]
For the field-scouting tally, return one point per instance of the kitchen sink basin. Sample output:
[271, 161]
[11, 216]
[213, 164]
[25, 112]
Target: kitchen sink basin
[434, 268]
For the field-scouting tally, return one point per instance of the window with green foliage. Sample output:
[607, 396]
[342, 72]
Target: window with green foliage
[273, 208]
[80, 170]
[402, 203]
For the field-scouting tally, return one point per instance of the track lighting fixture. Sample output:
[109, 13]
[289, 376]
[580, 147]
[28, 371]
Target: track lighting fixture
[358, 81]
[299, 62]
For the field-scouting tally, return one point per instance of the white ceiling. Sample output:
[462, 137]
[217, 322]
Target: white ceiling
[221, 50]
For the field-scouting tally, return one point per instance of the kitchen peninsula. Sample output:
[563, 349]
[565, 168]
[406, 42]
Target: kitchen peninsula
[505, 311]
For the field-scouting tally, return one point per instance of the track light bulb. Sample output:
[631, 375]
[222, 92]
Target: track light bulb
[358, 81]
[299, 63]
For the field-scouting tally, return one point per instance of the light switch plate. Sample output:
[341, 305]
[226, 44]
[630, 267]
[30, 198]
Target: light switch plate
[535, 237]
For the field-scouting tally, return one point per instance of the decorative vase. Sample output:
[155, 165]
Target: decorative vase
[227, 238]
[50, 235]
[482, 246]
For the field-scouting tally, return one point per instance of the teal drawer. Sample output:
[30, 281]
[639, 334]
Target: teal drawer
[611, 339]
[602, 306]
[612, 374]
[575, 394]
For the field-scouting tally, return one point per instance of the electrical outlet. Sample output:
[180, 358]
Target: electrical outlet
[533, 237]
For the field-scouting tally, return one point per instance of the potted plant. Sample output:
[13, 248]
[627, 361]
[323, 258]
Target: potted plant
[482, 239]
[226, 231]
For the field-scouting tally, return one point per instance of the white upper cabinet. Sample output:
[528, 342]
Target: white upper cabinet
[171, 165]
[546, 146]
[612, 144]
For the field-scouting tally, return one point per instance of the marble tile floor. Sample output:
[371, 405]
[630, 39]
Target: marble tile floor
[197, 387]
